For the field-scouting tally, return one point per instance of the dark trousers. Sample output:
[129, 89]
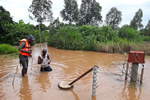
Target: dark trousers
[45, 69]
[24, 61]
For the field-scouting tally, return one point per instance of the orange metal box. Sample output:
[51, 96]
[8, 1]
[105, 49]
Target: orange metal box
[136, 57]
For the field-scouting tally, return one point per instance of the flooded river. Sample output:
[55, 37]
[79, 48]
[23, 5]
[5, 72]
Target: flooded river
[67, 65]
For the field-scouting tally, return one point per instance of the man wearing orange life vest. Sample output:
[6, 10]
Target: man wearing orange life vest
[25, 52]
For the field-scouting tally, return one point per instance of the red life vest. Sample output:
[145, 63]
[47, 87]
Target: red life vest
[26, 48]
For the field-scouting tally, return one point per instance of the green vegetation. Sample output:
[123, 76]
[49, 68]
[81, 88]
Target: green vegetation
[8, 49]
[103, 39]
[84, 31]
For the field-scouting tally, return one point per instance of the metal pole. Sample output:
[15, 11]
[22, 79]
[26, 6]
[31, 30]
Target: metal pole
[81, 76]
[142, 71]
[134, 72]
[94, 85]
[127, 71]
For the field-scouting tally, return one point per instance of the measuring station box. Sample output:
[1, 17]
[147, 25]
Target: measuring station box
[136, 57]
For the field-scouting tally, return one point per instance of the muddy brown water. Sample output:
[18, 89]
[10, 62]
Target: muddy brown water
[68, 65]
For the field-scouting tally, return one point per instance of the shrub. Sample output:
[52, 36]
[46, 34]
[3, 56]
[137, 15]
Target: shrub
[66, 38]
[129, 33]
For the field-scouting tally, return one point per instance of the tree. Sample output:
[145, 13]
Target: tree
[5, 20]
[41, 11]
[85, 13]
[137, 19]
[5, 17]
[96, 13]
[113, 17]
[90, 12]
[17, 32]
[54, 26]
[70, 12]
[44, 27]
[147, 29]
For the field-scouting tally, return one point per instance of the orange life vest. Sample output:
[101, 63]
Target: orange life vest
[26, 48]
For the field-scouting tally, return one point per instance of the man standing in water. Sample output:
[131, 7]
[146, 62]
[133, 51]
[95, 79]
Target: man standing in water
[25, 52]
[44, 59]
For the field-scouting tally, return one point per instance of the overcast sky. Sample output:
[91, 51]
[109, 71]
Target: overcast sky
[19, 9]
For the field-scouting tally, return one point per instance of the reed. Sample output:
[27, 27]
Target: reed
[112, 47]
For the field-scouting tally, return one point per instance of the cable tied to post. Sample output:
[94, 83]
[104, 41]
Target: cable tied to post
[123, 69]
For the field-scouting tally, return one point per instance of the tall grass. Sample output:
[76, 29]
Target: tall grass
[8, 49]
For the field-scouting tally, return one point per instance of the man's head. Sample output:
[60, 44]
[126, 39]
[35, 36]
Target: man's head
[44, 51]
[30, 38]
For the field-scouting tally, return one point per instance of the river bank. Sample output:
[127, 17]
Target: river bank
[7, 50]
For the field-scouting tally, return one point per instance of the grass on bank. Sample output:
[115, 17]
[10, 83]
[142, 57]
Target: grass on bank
[6, 49]
[112, 47]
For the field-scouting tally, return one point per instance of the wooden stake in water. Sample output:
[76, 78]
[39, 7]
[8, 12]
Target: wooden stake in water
[15, 74]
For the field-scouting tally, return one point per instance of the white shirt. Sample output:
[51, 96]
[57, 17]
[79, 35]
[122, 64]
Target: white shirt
[45, 61]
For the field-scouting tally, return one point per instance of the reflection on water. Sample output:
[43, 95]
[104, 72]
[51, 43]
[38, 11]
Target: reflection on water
[131, 91]
[75, 95]
[25, 91]
[67, 65]
[43, 80]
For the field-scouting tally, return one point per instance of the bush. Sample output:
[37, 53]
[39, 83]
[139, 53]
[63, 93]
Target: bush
[146, 38]
[93, 38]
[66, 38]
[130, 34]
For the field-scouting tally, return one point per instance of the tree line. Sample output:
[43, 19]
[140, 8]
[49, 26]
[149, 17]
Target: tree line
[84, 30]
[89, 13]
